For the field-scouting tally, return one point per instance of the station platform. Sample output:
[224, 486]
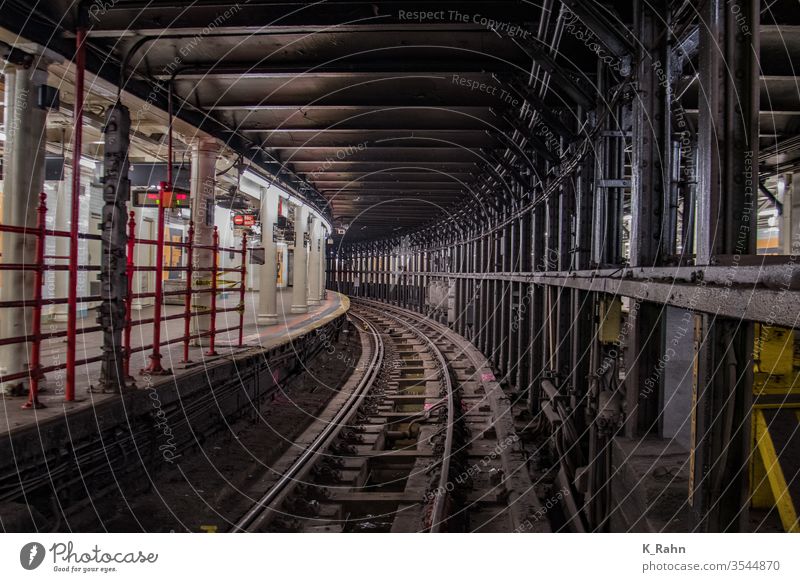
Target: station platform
[257, 338]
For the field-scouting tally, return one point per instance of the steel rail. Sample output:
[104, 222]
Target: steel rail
[260, 512]
[438, 516]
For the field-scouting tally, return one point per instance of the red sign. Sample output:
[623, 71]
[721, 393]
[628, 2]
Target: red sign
[244, 219]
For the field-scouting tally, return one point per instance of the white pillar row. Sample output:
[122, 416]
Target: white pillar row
[268, 272]
[313, 261]
[23, 181]
[299, 292]
[203, 184]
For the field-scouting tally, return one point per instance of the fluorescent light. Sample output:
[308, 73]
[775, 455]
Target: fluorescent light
[255, 178]
[87, 163]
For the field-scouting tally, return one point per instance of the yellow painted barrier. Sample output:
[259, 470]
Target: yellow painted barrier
[768, 481]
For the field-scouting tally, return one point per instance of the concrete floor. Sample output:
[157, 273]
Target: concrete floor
[53, 352]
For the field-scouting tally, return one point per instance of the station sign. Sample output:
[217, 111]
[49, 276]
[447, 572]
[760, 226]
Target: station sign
[244, 220]
[282, 234]
[170, 197]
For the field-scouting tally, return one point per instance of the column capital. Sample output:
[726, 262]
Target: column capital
[205, 144]
[27, 55]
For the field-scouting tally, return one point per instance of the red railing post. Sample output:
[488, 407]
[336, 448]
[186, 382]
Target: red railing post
[77, 136]
[212, 331]
[34, 366]
[187, 304]
[242, 289]
[129, 269]
[155, 367]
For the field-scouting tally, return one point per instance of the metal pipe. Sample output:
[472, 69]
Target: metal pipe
[155, 367]
[212, 330]
[243, 289]
[187, 304]
[77, 146]
[169, 133]
[129, 264]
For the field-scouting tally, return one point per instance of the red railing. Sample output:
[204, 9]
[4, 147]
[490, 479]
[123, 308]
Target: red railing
[35, 371]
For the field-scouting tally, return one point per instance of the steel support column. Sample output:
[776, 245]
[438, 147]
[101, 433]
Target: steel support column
[113, 273]
[524, 312]
[727, 195]
[651, 128]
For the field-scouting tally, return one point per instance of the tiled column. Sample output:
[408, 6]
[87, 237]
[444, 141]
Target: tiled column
[268, 273]
[299, 289]
[24, 154]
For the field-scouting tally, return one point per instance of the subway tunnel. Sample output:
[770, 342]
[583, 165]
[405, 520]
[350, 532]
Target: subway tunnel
[400, 266]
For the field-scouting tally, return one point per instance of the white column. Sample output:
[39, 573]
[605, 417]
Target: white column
[7, 239]
[203, 184]
[268, 272]
[392, 283]
[299, 291]
[323, 253]
[23, 182]
[313, 262]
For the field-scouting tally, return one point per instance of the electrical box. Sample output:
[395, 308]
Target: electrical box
[610, 320]
[48, 98]
[257, 255]
[774, 349]
[776, 365]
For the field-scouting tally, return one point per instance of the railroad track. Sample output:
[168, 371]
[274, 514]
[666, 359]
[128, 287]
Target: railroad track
[502, 498]
[418, 440]
[264, 510]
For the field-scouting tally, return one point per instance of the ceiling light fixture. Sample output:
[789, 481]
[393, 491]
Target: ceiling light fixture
[87, 163]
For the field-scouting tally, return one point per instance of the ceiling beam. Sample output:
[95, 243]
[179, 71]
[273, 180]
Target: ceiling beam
[382, 184]
[357, 70]
[191, 17]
